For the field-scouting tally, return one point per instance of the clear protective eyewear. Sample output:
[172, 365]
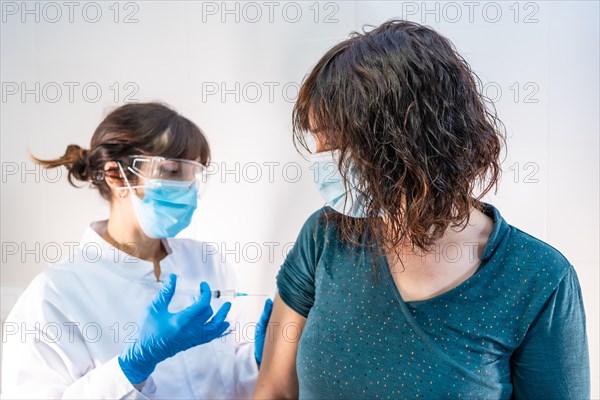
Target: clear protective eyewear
[171, 172]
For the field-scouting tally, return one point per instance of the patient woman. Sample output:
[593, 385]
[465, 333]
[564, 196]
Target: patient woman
[407, 284]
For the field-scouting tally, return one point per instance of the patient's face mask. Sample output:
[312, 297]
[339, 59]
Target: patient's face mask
[170, 193]
[330, 183]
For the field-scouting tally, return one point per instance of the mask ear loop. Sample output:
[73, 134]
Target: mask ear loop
[121, 190]
[323, 156]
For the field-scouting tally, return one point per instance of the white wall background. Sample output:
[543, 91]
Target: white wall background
[537, 60]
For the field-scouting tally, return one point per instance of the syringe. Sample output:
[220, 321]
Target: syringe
[220, 294]
[227, 294]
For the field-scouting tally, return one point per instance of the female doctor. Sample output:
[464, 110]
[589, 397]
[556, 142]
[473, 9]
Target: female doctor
[121, 317]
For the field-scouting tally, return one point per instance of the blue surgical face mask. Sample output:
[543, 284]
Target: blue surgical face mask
[330, 183]
[165, 211]
[167, 207]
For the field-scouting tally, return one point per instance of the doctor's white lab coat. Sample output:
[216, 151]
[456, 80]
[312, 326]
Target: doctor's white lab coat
[64, 334]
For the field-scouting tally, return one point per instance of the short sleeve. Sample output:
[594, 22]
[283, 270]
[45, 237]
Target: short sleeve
[296, 278]
[552, 362]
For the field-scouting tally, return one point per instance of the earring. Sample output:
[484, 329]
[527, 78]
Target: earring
[122, 194]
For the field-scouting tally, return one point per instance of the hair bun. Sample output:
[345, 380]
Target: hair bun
[78, 158]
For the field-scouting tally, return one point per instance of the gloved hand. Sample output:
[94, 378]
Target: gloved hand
[163, 334]
[261, 331]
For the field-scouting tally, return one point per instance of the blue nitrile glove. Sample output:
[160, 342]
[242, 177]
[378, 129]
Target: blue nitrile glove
[261, 331]
[163, 334]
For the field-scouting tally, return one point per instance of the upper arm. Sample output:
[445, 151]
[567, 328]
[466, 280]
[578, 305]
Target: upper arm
[277, 377]
[296, 284]
[552, 362]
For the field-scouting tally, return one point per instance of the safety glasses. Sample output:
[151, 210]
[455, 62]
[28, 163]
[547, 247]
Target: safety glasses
[168, 172]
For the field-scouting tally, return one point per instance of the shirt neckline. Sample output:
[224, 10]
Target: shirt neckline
[95, 249]
[499, 229]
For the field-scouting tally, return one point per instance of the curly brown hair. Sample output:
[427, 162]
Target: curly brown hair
[403, 105]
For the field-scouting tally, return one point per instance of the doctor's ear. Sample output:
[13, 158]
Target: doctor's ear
[113, 176]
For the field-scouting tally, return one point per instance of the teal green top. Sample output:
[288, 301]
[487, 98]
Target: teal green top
[515, 329]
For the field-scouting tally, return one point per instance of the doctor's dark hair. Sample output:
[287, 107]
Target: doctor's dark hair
[403, 105]
[140, 128]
